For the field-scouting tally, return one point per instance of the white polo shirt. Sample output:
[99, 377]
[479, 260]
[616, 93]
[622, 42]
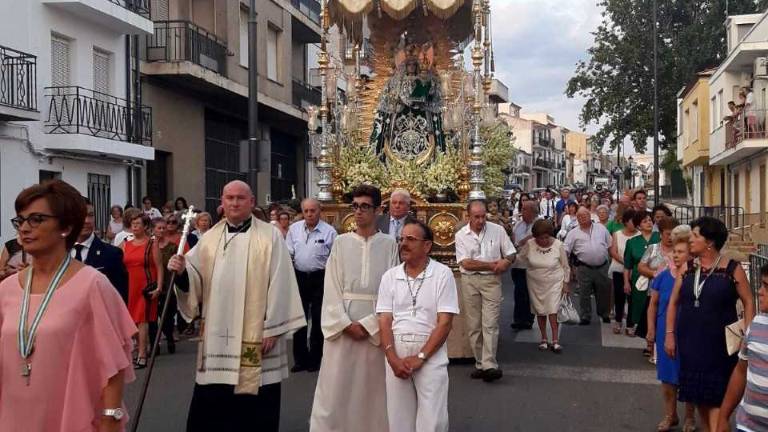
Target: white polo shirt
[492, 244]
[437, 294]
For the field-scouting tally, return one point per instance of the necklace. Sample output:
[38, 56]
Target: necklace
[27, 340]
[699, 286]
[414, 294]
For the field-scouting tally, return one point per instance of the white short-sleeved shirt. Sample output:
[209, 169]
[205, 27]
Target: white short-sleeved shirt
[492, 244]
[437, 294]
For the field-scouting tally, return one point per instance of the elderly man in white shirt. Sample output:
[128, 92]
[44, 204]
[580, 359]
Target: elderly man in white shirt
[416, 304]
[484, 252]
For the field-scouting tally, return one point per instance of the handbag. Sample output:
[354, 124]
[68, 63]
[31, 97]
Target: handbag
[567, 313]
[734, 334]
[642, 283]
[151, 286]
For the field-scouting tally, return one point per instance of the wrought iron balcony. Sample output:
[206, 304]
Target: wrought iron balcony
[305, 94]
[177, 41]
[18, 85]
[139, 7]
[77, 110]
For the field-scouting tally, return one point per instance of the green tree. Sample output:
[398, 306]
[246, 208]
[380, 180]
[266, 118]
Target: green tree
[617, 79]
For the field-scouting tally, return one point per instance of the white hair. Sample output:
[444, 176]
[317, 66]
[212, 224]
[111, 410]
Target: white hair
[681, 233]
[401, 192]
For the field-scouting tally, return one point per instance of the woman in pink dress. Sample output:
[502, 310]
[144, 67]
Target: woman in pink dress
[64, 368]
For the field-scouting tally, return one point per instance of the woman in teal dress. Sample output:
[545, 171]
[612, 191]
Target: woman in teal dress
[633, 253]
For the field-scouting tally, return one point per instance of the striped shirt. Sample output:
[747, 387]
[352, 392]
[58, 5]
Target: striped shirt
[752, 415]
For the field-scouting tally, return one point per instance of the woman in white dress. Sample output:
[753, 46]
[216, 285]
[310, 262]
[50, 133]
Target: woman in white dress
[548, 273]
[569, 220]
[616, 269]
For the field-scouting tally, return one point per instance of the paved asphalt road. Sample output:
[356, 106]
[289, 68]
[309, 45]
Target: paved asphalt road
[600, 382]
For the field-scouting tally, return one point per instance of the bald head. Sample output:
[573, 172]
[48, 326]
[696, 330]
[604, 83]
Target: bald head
[237, 186]
[237, 200]
[584, 217]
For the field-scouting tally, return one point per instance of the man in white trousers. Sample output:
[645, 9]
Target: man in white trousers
[416, 304]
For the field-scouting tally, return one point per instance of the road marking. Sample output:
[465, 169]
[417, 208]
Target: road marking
[581, 373]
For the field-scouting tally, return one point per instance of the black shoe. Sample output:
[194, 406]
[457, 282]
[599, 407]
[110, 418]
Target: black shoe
[298, 368]
[313, 368]
[607, 319]
[477, 374]
[492, 375]
[522, 326]
[584, 322]
[171, 347]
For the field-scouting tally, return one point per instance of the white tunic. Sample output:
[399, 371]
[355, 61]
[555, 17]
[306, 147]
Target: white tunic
[350, 393]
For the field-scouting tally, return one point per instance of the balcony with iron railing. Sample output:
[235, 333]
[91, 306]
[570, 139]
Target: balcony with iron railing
[745, 135]
[183, 41]
[80, 111]
[18, 85]
[122, 16]
[305, 95]
[543, 164]
[543, 142]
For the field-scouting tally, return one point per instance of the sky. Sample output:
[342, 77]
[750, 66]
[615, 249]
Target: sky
[537, 44]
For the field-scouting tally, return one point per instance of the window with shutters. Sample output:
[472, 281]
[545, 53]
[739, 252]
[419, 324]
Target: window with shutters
[273, 43]
[101, 71]
[99, 192]
[160, 10]
[60, 61]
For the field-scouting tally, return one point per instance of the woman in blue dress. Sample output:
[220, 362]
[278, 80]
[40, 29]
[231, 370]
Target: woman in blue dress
[702, 304]
[667, 368]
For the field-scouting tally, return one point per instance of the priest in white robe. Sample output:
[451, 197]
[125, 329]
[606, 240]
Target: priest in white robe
[240, 277]
[350, 393]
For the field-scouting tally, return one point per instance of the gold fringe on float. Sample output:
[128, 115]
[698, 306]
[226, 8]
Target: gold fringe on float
[354, 10]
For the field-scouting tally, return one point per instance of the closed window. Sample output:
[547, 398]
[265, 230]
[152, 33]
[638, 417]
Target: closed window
[60, 61]
[244, 37]
[101, 71]
[273, 41]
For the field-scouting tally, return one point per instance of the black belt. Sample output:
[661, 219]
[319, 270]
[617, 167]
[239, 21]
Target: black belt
[312, 273]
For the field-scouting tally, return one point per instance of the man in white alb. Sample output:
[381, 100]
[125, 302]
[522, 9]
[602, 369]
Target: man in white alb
[350, 395]
[417, 302]
[484, 252]
[241, 272]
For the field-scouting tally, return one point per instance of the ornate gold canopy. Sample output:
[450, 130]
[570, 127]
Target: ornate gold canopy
[397, 9]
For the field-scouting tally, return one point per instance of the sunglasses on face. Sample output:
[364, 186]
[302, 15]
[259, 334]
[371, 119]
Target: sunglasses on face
[34, 220]
[172, 222]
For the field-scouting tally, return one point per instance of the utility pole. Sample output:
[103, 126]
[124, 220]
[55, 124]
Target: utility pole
[253, 98]
[656, 196]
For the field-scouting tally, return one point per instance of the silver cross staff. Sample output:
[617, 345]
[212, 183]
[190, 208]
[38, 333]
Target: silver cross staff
[188, 217]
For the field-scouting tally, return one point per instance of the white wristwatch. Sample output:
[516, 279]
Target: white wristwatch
[421, 356]
[115, 413]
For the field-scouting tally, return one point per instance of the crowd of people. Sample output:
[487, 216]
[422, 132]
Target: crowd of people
[368, 309]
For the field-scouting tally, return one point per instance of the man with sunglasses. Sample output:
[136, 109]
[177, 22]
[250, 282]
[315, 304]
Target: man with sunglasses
[350, 393]
[483, 251]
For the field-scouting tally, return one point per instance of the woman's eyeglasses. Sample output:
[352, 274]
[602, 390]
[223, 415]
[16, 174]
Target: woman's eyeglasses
[34, 220]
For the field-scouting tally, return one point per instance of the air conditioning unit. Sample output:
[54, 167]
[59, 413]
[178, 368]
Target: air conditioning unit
[760, 68]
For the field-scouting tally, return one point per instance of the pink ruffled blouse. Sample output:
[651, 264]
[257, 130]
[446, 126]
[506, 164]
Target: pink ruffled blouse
[83, 340]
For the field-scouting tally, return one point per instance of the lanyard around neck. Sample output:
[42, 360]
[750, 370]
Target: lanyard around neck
[27, 340]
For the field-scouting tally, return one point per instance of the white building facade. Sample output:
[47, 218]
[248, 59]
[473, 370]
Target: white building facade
[66, 113]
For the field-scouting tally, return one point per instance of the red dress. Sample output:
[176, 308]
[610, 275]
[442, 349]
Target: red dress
[133, 257]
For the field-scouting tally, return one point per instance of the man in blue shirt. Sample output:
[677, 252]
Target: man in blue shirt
[309, 242]
[562, 203]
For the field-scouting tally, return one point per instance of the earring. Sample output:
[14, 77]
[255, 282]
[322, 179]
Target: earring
[63, 235]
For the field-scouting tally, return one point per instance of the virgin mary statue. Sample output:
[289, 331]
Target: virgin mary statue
[408, 121]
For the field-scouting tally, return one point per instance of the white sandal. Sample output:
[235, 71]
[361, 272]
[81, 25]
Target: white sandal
[556, 347]
[544, 345]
